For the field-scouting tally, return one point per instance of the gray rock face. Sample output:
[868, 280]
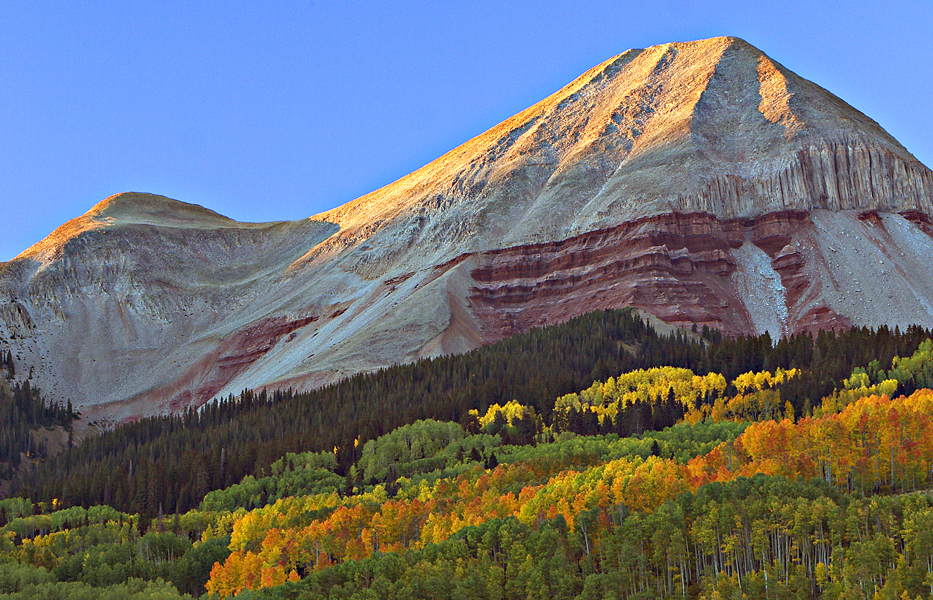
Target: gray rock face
[701, 182]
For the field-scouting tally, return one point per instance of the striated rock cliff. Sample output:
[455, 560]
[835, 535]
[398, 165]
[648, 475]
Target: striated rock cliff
[701, 182]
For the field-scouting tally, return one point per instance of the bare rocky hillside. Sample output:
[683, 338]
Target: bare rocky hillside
[701, 182]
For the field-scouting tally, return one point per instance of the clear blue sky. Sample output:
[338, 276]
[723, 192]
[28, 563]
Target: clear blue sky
[279, 110]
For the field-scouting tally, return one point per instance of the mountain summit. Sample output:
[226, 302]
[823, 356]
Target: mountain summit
[700, 182]
[712, 126]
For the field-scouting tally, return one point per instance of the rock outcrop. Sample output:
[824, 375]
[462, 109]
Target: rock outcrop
[701, 182]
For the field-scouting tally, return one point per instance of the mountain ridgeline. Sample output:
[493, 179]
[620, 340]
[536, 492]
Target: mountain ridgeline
[701, 182]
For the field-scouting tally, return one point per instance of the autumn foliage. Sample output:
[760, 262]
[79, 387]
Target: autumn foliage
[875, 442]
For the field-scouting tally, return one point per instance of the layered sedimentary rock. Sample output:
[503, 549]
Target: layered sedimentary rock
[701, 182]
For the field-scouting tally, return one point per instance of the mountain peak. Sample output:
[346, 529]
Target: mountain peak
[152, 209]
[128, 209]
[711, 126]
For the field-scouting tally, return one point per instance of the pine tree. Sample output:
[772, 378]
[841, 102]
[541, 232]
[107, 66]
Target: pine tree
[492, 462]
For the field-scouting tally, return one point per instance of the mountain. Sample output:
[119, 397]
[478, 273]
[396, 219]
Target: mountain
[700, 182]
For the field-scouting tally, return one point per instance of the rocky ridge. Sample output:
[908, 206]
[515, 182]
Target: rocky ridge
[701, 182]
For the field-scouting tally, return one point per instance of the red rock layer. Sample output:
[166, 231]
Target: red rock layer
[675, 266]
[235, 354]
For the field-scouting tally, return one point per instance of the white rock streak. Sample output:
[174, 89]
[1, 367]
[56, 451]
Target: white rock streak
[758, 282]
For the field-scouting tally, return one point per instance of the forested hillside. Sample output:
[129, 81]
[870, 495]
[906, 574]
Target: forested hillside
[589, 460]
[24, 415]
[169, 463]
